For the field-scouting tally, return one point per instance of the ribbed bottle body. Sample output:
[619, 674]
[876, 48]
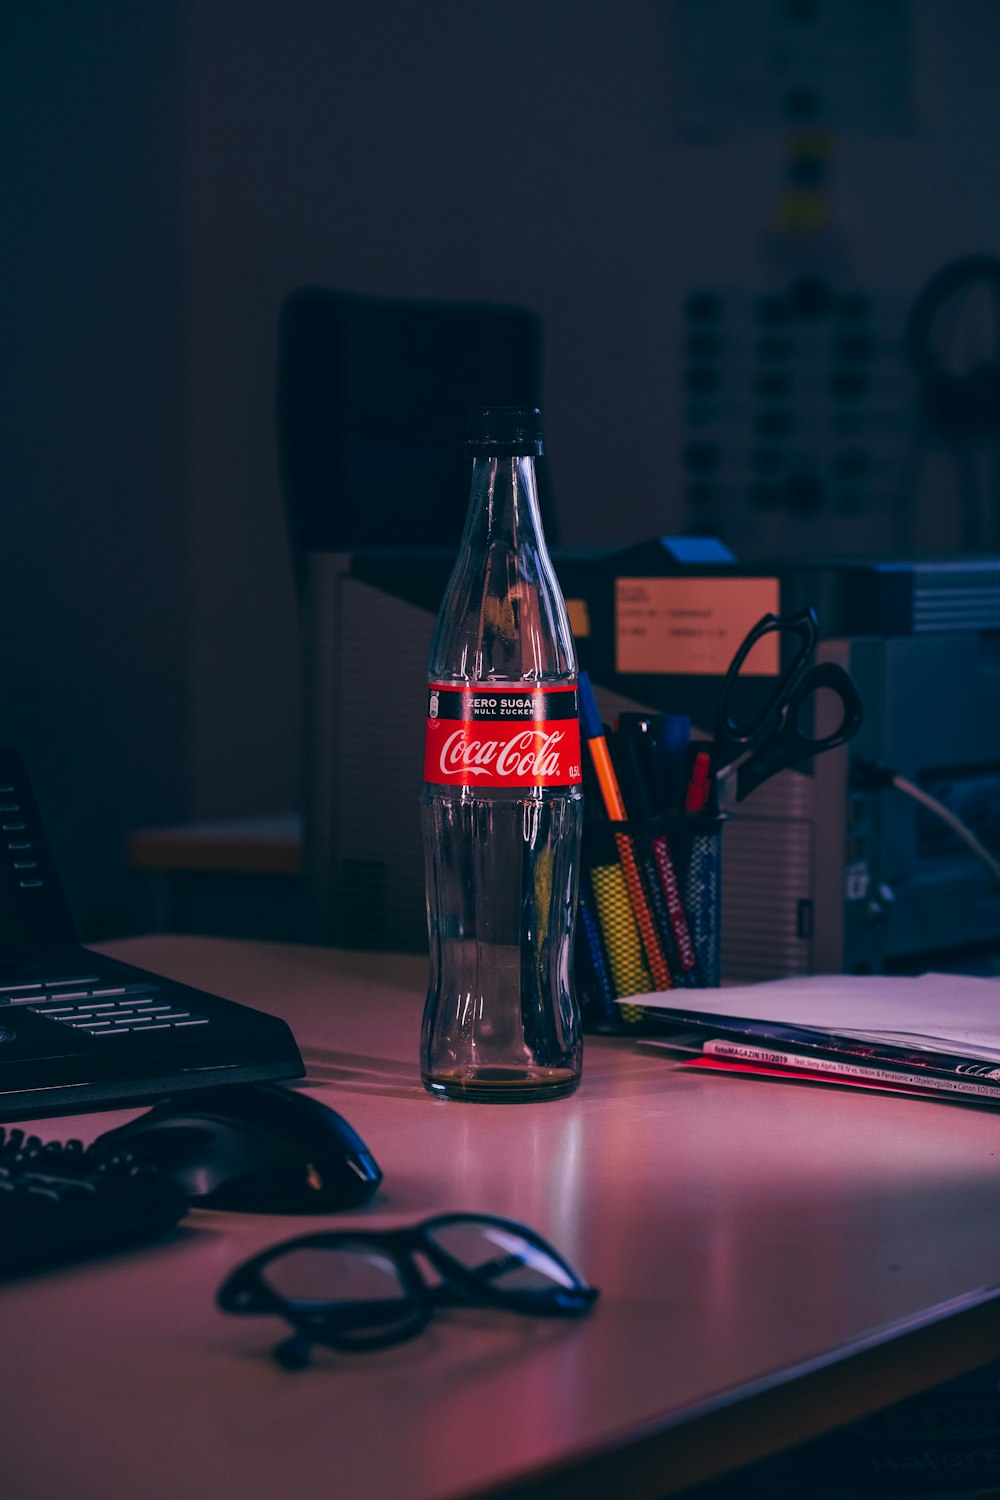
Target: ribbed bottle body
[501, 869]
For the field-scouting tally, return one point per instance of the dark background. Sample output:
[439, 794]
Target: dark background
[174, 170]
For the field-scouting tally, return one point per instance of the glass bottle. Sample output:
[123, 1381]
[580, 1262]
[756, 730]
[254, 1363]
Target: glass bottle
[502, 806]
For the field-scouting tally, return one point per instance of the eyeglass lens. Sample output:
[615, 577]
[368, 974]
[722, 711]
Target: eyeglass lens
[498, 1255]
[316, 1275]
[330, 1280]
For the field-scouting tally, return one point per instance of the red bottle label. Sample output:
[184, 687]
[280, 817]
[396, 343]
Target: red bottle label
[486, 735]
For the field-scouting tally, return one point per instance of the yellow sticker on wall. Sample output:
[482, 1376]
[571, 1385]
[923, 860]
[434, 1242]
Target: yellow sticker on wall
[579, 617]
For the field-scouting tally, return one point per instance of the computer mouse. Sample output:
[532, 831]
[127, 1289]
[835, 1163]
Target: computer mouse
[253, 1148]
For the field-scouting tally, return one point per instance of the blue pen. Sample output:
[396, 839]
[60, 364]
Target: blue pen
[600, 1010]
[672, 740]
[701, 898]
[600, 755]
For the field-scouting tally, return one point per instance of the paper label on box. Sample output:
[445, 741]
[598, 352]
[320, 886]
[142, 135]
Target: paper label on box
[693, 625]
[488, 735]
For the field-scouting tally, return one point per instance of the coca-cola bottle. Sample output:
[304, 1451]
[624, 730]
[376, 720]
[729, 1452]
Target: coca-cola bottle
[502, 806]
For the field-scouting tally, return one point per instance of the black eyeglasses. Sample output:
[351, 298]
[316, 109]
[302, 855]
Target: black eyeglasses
[363, 1289]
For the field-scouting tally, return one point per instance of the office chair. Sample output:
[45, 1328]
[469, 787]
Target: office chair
[372, 400]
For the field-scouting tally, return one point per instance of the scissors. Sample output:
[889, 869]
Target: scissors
[757, 749]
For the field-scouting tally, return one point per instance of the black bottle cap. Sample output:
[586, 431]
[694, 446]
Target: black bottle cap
[504, 431]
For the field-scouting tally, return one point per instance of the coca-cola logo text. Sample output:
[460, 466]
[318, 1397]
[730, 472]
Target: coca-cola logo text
[529, 753]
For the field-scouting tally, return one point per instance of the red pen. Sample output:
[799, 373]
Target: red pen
[700, 784]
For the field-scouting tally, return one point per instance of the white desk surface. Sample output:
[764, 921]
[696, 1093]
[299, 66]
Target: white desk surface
[774, 1259]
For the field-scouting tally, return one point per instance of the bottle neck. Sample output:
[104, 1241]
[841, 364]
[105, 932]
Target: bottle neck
[503, 504]
[503, 617]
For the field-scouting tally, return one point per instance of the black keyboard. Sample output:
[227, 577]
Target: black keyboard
[60, 1202]
[87, 1003]
[79, 1029]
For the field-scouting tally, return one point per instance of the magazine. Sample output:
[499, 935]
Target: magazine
[934, 1033]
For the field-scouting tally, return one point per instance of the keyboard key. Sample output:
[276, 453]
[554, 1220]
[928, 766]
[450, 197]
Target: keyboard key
[73, 979]
[103, 1013]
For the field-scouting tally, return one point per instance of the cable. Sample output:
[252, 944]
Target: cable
[954, 822]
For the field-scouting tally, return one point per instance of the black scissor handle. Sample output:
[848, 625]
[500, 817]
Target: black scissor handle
[786, 745]
[733, 737]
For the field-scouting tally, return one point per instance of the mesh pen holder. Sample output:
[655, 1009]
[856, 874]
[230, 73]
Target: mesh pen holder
[649, 914]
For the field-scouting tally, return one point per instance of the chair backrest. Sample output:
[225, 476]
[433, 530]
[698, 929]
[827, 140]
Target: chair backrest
[372, 402]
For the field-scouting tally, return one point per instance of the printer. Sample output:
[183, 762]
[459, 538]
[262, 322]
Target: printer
[881, 856]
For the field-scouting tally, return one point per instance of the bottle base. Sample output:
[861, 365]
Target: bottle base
[502, 1085]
